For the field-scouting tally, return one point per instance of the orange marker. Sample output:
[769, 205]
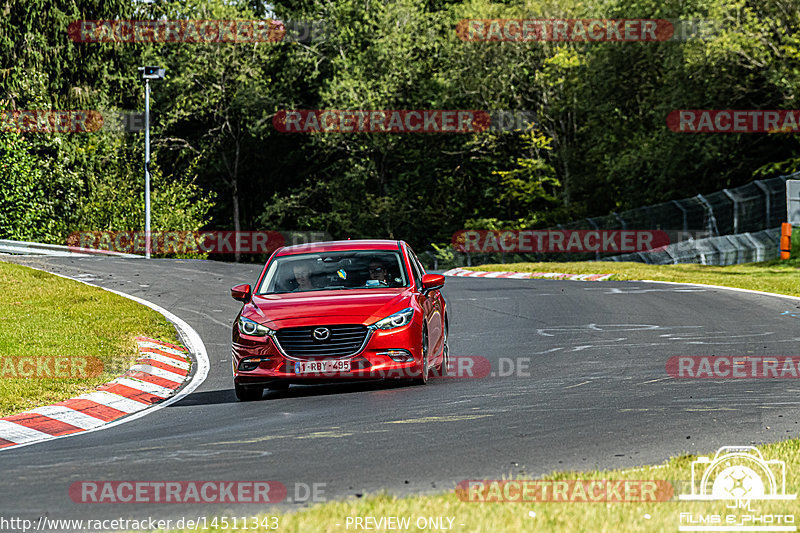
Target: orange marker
[786, 240]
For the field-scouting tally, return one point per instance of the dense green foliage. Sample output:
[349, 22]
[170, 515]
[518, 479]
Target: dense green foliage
[601, 142]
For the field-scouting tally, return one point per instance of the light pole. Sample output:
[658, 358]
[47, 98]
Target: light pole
[148, 73]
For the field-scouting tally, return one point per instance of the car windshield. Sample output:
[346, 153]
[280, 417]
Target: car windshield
[366, 269]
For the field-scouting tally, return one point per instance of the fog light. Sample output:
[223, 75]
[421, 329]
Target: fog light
[251, 363]
[398, 356]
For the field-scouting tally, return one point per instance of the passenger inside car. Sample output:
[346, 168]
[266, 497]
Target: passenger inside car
[302, 275]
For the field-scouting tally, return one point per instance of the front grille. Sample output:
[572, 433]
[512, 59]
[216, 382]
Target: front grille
[344, 340]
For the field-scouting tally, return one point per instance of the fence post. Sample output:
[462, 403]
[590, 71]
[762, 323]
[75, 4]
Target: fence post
[685, 215]
[766, 192]
[730, 195]
[712, 221]
[757, 245]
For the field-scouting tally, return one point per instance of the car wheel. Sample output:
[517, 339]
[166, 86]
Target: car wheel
[441, 370]
[248, 394]
[424, 371]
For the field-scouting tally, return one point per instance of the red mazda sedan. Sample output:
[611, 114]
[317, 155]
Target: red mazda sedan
[339, 310]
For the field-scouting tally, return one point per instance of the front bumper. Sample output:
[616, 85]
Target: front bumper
[371, 362]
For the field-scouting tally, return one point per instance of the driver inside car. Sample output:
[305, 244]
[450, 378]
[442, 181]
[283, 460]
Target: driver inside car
[378, 272]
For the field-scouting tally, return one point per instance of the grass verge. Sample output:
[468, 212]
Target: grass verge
[772, 276]
[60, 338]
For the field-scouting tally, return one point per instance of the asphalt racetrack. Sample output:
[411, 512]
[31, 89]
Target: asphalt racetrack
[588, 390]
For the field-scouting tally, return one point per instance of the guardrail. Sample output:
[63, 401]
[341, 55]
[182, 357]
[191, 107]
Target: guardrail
[53, 250]
[724, 250]
[721, 228]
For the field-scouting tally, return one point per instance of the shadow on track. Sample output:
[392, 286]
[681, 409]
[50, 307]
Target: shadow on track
[223, 396]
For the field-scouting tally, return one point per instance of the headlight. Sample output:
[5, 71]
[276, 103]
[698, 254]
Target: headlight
[251, 327]
[399, 319]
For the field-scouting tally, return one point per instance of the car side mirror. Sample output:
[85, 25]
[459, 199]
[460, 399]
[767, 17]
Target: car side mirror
[431, 282]
[241, 293]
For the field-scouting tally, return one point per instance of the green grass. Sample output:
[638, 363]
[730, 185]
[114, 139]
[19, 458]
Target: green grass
[772, 276]
[46, 317]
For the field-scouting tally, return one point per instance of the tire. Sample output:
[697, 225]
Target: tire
[441, 370]
[248, 394]
[425, 370]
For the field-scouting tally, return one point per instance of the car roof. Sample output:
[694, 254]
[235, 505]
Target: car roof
[341, 246]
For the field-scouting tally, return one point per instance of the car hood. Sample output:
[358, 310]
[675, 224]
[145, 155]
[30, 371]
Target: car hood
[351, 306]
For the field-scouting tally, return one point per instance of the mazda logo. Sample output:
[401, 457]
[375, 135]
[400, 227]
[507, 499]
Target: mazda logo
[322, 334]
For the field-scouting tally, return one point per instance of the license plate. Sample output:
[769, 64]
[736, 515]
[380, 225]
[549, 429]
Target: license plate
[314, 367]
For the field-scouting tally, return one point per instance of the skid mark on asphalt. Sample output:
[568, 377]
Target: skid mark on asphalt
[180, 456]
[603, 328]
[428, 419]
[207, 316]
[655, 380]
[617, 290]
[248, 441]
[709, 409]
[714, 335]
[674, 335]
[578, 385]
[506, 313]
[324, 435]
[498, 297]
[599, 346]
